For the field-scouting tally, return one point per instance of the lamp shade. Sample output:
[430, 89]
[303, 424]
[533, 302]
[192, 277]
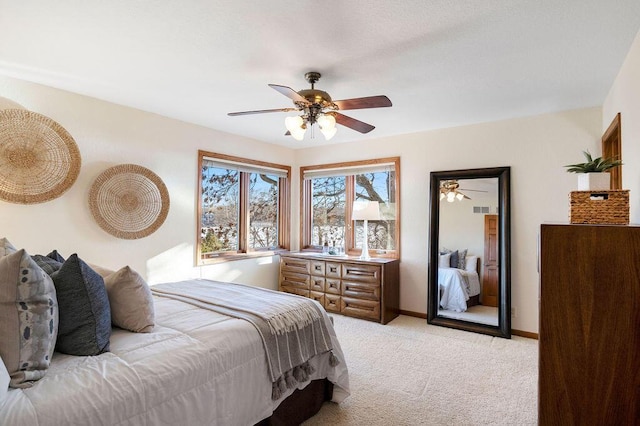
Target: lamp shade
[366, 210]
[293, 123]
[327, 121]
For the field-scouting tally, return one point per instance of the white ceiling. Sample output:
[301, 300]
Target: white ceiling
[442, 63]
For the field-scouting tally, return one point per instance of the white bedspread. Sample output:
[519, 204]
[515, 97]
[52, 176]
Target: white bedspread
[196, 368]
[456, 286]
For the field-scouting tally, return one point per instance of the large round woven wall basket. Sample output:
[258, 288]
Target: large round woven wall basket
[39, 160]
[129, 201]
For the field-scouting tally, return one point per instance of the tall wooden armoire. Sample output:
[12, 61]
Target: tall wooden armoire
[589, 337]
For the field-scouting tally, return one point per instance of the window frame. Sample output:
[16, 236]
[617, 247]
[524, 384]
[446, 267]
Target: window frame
[306, 214]
[284, 209]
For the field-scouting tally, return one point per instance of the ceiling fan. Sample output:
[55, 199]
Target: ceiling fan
[450, 189]
[317, 106]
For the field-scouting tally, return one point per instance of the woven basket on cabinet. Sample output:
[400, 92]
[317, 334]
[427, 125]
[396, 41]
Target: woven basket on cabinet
[600, 207]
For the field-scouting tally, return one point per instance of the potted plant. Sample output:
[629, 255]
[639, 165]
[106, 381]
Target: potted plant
[592, 175]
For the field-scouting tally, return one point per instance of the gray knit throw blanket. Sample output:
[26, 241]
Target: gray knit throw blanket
[291, 327]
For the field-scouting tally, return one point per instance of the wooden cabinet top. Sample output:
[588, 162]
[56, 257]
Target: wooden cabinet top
[341, 258]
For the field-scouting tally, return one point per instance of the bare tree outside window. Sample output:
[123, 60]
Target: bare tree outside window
[380, 187]
[263, 211]
[220, 204]
[328, 201]
[243, 209]
[328, 193]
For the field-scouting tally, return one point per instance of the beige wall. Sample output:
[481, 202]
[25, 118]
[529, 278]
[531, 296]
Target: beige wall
[535, 147]
[107, 135]
[624, 97]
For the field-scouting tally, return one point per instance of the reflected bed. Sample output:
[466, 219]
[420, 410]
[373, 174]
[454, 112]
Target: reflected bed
[460, 288]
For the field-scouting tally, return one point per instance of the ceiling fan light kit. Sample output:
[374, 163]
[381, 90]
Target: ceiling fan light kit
[317, 107]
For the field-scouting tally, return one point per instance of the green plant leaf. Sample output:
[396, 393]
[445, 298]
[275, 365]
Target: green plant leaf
[593, 165]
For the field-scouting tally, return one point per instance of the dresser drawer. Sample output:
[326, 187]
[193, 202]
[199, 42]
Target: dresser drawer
[332, 270]
[354, 271]
[333, 286]
[361, 290]
[317, 268]
[295, 290]
[332, 303]
[317, 283]
[344, 285]
[317, 296]
[292, 279]
[360, 308]
[292, 264]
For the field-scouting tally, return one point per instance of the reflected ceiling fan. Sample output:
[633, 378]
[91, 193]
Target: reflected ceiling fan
[316, 106]
[450, 190]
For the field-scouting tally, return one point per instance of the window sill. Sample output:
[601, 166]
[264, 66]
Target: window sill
[232, 257]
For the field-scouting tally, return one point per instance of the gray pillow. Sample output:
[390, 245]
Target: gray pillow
[454, 259]
[28, 318]
[56, 256]
[85, 318]
[462, 259]
[47, 264]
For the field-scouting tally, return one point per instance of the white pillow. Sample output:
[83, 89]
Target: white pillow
[471, 264]
[444, 260]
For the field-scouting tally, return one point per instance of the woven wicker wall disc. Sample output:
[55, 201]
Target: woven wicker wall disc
[129, 201]
[39, 160]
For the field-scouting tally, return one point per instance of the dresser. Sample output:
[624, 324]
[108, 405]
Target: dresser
[589, 336]
[367, 289]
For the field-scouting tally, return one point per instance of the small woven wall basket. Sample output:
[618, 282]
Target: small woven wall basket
[600, 207]
[39, 160]
[129, 201]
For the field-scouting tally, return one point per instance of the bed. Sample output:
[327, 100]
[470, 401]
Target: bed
[460, 288]
[196, 367]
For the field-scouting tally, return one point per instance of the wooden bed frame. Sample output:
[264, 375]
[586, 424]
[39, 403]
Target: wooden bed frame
[301, 404]
[473, 301]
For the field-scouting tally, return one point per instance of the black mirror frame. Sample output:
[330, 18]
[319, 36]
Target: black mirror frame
[504, 287]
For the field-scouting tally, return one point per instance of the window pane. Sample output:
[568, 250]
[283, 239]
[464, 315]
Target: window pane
[220, 210]
[328, 203]
[263, 211]
[378, 186]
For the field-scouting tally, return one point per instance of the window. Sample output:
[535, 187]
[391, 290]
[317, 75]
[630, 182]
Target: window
[328, 193]
[243, 207]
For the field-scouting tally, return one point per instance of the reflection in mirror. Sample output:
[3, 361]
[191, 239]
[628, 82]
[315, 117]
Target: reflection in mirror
[469, 270]
[467, 239]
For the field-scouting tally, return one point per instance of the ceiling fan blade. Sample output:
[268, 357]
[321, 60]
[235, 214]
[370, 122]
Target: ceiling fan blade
[262, 111]
[361, 103]
[472, 190]
[352, 123]
[289, 93]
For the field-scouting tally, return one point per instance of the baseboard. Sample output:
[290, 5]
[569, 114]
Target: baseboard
[520, 333]
[413, 314]
[526, 334]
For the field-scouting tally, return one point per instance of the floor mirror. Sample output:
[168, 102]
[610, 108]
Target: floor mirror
[469, 267]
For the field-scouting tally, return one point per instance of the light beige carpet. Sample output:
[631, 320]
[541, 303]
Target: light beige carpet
[410, 373]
